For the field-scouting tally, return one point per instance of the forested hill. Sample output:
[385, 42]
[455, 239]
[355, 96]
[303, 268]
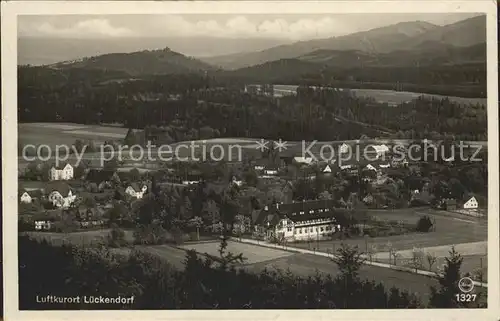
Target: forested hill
[147, 62]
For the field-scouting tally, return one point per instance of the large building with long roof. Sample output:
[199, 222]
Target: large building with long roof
[308, 220]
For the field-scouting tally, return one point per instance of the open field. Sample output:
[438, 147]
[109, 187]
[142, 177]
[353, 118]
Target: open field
[470, 264]
[473, 248]
[65, 133]
[301, 264]
[390, 96]
[397, 97]
[253, 254]
[86, 238]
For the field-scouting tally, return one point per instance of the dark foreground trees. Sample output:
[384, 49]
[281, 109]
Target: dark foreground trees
[203, 283]
[445, 296]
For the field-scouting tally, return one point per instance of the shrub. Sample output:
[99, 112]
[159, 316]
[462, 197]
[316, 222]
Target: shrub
[65, 226]
[151, 234]
[424, 224]
[116, 237]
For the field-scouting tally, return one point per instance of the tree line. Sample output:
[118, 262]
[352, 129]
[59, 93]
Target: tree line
[190, 106]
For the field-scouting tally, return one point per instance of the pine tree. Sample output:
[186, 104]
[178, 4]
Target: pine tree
[444, 297]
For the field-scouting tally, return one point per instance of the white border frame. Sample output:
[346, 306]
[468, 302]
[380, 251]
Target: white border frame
[9, 12]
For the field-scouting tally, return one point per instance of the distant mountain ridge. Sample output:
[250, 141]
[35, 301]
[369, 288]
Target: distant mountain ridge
[407, 44]
[425, 55]
[151, 62]
[404, 36]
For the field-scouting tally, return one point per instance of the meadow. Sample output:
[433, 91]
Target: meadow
[392, 97]
[53, 134]
[397, 97]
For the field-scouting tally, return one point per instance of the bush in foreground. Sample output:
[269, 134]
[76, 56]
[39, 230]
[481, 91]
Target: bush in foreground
[424, 224]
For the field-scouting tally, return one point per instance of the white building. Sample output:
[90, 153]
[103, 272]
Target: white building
[190, 182]
[236, 181]
[471, 204]
[58, 173]
[370, 167]
[303, 160]
[344, 148]
[61, 195]
[24, 197]
[271, 171]
[311, 220]
[43, 225]
[380, 149]
[135, 191]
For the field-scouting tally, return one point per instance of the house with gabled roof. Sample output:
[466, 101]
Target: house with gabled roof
[27, 196]
[343, 148]
[60, 194]
[471, 204]
[61, 172]
[136, 190]
[300, 220]
[24, 197]
[380, 150]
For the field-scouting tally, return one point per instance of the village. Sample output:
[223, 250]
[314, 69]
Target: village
[282, 196]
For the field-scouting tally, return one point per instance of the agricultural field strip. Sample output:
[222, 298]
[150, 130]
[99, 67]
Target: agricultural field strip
[474, 248]
[253, 254]
[94, 133]
[377, 264]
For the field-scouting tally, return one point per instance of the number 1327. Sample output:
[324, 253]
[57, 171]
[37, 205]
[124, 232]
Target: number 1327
[465, 297]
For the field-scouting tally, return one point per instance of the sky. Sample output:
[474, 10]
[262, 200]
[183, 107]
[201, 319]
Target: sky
[284, 27]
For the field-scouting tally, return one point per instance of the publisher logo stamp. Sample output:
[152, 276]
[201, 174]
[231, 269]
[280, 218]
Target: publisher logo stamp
[466, 285]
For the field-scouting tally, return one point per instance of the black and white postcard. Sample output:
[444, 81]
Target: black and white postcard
[250, 160]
